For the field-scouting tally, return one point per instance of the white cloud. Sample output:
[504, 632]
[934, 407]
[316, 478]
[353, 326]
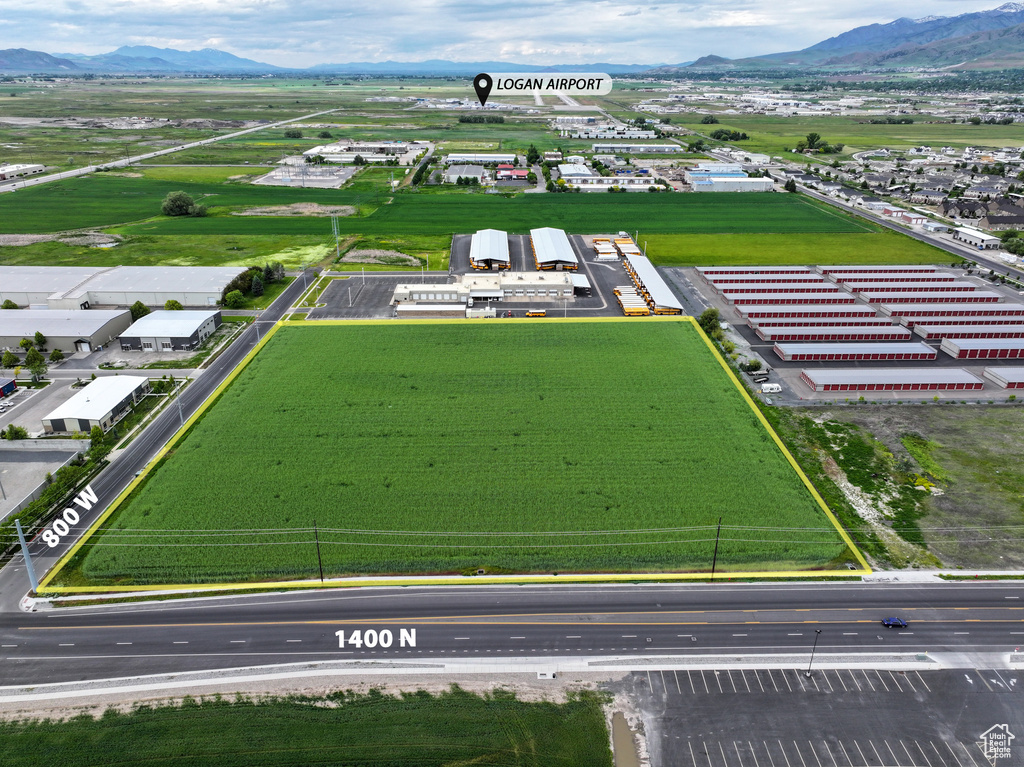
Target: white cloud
[306, 32]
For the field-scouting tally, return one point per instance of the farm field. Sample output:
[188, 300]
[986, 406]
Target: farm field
[414, 729]
[103, 201]
[773, 135]
[884, 247]
[583, 213]
[515, 447]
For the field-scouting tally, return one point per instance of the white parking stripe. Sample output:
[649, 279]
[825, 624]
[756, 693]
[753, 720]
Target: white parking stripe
[799, 754]
[910, 684]
[845, 755]
[831, 756]
[707, 753]
[678, 688]
[689, 678]
[895, 681]
[882, 680]
[753, 753]
[921, 750]
[921, 680]
[862, 758]
[693, 756]
[811, 746]
[878, 756]
[769, 752]
[895, 758]
[959, 763]
[784, 756]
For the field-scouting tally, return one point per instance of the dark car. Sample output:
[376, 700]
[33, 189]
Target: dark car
[894, 623]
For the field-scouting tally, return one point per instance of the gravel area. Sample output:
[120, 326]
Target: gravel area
[298, 209]
[388, 257]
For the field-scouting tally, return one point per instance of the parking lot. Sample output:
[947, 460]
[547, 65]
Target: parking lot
[365, 298]
[836, 718]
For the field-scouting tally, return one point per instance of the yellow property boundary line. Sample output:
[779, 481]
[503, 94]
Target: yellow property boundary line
[45, 588]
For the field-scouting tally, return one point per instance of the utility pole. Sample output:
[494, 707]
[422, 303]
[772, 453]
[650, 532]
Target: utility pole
[319, 561]
[817, 632]
[714, 560]
[181, 414]
[28, 557]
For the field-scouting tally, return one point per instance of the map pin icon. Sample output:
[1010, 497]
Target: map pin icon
[483, 83]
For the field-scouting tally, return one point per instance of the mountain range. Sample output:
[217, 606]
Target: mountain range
[979, 40]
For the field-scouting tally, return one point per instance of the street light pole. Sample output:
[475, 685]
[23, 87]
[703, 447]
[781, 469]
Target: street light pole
[817, 633]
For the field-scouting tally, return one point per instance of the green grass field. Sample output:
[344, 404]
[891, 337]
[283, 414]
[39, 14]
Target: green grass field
[884, 247]
[412, 730]
[536, 447]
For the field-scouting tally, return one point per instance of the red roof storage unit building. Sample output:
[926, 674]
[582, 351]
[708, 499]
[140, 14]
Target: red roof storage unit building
[706, 271]
[786, 311]
[1008, 378]
[779, 287]
[882, 277]
[727, 279]
[891, 379]
[881, 295]
[953, 309]
[983, 348]
[743, 299]
[831, 322]
[844, 352]
[970, 331]
[908, 269]
[851, 333]
[956, 286]
[966, 319]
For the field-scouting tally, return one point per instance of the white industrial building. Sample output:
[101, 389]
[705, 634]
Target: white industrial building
[167, 331]
[975, 238]
[480, 158]
[76, 287]
[102, 403]
[733, 184]
[455, 172]
[515, 287]
[618, 148]
[68, 330]
[574, 170]
[344, 152]
[11, 172]
[604, 183]
[552, 249]
[489, 248]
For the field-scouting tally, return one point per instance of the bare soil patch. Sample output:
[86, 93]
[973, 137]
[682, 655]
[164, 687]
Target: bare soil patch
[83, 240]
[298, 209]
[386, 257]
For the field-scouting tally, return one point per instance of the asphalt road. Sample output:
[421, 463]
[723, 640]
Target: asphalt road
[500, 623]
[113, 479]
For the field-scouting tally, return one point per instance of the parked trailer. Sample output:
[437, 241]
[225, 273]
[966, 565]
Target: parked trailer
[854, 333]
[952, 310]
[970, 331]
[1007, 377]
[883, 296]
[781, 287]
[830, 322]
[757, 299]
[804, 311]
[983, 348]
[830, 352]
[908, 269]
[890, 379]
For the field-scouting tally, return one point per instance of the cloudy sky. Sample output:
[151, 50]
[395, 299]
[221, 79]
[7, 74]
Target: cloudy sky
[301, 33]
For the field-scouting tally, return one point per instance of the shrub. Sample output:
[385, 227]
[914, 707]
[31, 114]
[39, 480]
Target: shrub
[177, 204]
[293, 133]
[138, 310]
[234, 300]
[173, 306]
[9, 304]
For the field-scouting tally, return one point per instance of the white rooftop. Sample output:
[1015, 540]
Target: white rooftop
[159, 279]
[891, 375]
[489, 244]
[96, 400]
[55, 323]
[649, 277]
[551, 245]
[570, 170]
[866, 347]
[43, 279]
[168, 324]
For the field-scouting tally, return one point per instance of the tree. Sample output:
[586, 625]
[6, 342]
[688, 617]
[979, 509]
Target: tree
[268, 274]
[25, 344]
[814, 140]
[9, 360]
[177, 204]
[234, 300]
[709, 120]
[35, 362]
[790, 185]
[358, 160]
[56, 355]
[293, 133]
[257, 286]
[96, 436]
[173, 306]
[40, 339]
[324, 134]
[138, 310]
[709, 321]
[532, 155]
[9, 304]
[15, 432]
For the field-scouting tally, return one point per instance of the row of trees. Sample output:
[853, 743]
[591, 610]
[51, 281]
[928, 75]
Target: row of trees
[251, 282]
[724, 134]
[481, 119]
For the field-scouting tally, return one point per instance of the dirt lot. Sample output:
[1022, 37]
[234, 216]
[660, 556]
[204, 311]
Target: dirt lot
[388, 257]
[976, 514]
[299, 209]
